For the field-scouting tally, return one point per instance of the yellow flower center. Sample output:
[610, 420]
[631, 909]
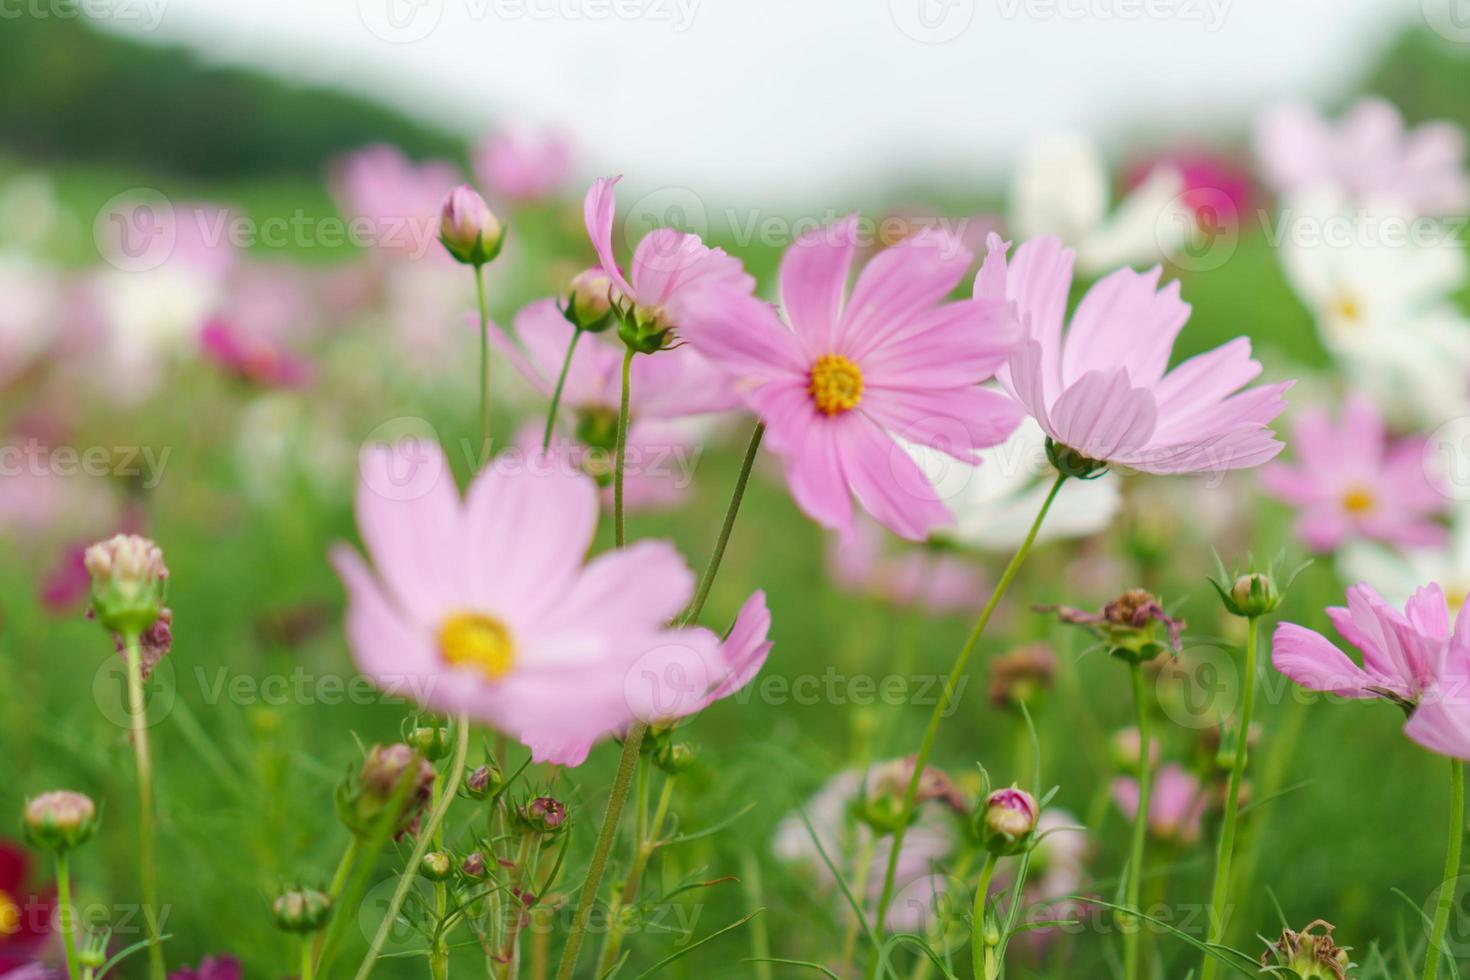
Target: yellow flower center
[1348, 308]
[1359, 500]
[478, 641]
[9, 915]
[836, 384]
[1455, 596]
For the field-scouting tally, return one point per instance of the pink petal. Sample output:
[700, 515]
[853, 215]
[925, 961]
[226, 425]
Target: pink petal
[1310, 660]
[1102, 415]
[956, 421]
[598, 212]
[814, 274]
[742, 336]
[1039, 280]
[888, 483]
[897, 285]
[1125, 320]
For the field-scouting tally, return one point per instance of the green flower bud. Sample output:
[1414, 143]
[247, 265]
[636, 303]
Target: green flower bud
[302, 911]
[1309, 955]
[60, 820]
[674, 757]
[468, 228]
[590, 301]
[484, 782]
[436, 866]
[394, 772]
[431, 743]
[129, 580]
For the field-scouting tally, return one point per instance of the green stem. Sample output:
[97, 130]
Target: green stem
[1132, 926]
[946, 695]
[980, 950]
[65, 914]
[420, 848]
[561, 380]
[517, 907]
[707, 580]
[627, 764]
[1446, 903]
[484, 366]
[866, 856]
[620, 533]
[439, 948]
[647, 843]
[308, 961]
[1220, 898]
[138, 719]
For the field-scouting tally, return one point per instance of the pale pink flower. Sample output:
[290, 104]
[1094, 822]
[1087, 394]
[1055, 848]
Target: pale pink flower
[1368, 154]
[252, 358]
[658, 462]
[668, 266]
[1411, 658]
[934, 580]
[1352, 481]
[847, 380]
[484, 605]
[1176, 803]
[1106, 391]
[518, 165]
[397, 199]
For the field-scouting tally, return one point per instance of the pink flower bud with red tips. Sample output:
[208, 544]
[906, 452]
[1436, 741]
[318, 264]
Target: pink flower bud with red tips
[129, 579]
[544, 815]
[1008, 819]
[473, 866]
[60, 820]
[468, 228]
[395, 773]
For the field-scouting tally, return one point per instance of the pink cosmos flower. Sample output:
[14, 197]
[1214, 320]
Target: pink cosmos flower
[936, 581]
[251, 357]
[398, 198]
[1176, 803]
[668, 266]
[1411, 658]
[658, 462]
[846, 377]
[1105, 391]
[523, 165]
[1351, 481]
[485, 606]
[1368, 154]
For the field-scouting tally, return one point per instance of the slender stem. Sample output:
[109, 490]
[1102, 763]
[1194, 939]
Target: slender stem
[484, 366]
[707, 580]
[981, 950]
[420, 847]
[308, 961]
[561, 380]
[1220, 898]
[138, 718]
[647, 843]
[626, 766]
[620, 533]
[866, 855]
[941, 708]
[1131, 926]
[517, 907]
[334, 891]
[1446, 903]
[65, 914]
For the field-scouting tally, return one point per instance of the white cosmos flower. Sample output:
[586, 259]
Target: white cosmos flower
[995, 502]
[1380, 286]
[1061, 188]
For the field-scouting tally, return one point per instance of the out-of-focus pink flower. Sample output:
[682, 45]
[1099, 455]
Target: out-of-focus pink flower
[1106, 392]
[28, 318]
[27, 914]
[397, 198]
[1176, 803]
[1411, 658]
[658, 462]
[210, 968]
[846, 380]
[1215, 188]
[1351, 481]
[518, 164]
[668, 266]
[1368, 154]
[938, 581]
[251, 358]
[68, 583]
[45, 500]
[485, 606]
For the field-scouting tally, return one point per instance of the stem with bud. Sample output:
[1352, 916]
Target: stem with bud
[138, 719]
[484, 363]
[65, 914]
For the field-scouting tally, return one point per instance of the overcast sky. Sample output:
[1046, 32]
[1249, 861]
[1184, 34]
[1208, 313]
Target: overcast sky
[788, 97]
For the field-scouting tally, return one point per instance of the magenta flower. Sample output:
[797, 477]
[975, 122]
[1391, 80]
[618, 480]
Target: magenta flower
[1215, 188]
[668, 266]
[1176, 803]
[485, 605]
[1351, 481]
[1105, 392]
[1368, 155]
[846, 377]
[1411, 658]
[252, 357]
[523, 165]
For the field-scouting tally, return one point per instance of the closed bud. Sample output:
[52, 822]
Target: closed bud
[129, 579]
[1007, 819]
[302, 911]
[473, 867]
[590, 301]
[430, 742]
[644, 330]
[389, 773]
[674, 757]
[93, 950]
[1250, 595]
[484, 782]
[436, 866]
[543, 815]
[468, 228]
[60, 820]
[1134, 626]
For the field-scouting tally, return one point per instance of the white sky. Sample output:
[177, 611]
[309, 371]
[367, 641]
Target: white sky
[787, 98]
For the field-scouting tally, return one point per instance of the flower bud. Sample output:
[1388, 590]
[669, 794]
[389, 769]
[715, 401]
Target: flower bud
[1022, 676]
[129, 579]
[1069, 462]
[430, 742]
[468, 228]
[1007, 819]
[1251, 595]
[93, 951]
[303, 911]
[543, 815]
[473, 866]
[1125, 746]
[674, 757]
[436, 866]
[590, 301]
[881, 806]
[484, 782]
[644, 330]
[1308, 955]
[60, 820]
[1133, 626]
[394, 772]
